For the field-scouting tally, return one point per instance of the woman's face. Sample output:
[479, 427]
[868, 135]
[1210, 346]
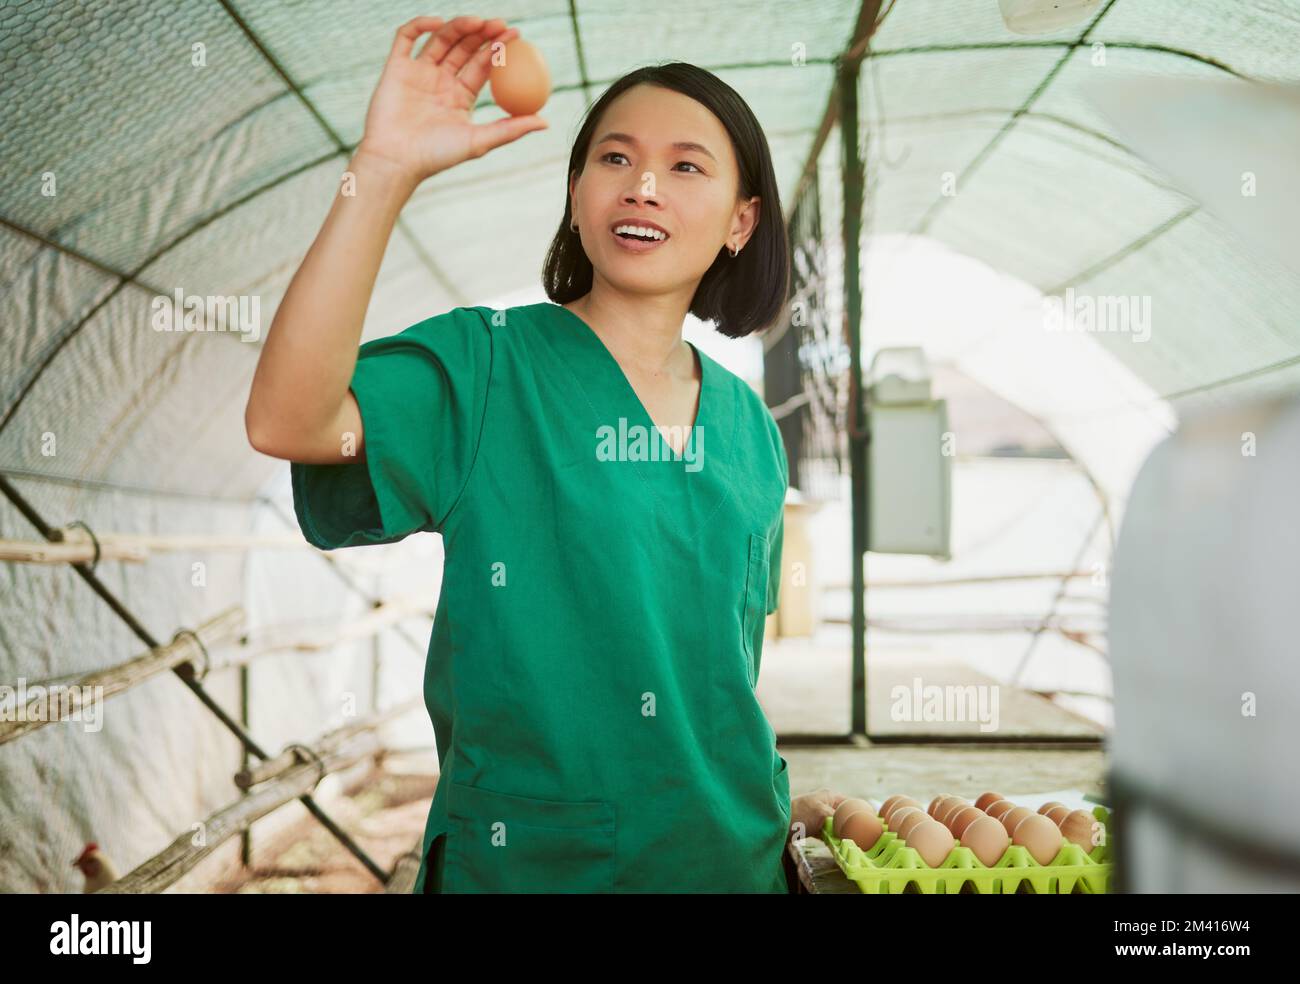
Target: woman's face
[659, 157]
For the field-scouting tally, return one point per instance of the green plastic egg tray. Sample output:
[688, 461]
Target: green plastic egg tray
[893, 868]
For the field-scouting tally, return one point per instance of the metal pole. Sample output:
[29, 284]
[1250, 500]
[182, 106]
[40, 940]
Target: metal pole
[245, 713]
[853, 178]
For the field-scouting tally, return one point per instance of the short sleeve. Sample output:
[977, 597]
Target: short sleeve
[423, 397]
[777, 540]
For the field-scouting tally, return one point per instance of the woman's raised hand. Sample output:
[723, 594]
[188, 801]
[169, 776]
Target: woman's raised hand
[419, 118]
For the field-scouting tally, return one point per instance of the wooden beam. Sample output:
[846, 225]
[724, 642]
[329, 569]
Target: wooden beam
[192, 846]
[407, 869]
[292, 639]
[70, 698]
[295, 755]
[75, 546]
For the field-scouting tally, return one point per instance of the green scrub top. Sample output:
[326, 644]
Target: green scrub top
[598, 634]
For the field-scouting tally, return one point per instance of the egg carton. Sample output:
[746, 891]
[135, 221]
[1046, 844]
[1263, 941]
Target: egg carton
[892, 868]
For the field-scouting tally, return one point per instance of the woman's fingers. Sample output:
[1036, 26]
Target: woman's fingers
[489, 136]
[458, 39]
[409, 32]
[476, 72]
[472, 44]
[829, 796]
[446, 36]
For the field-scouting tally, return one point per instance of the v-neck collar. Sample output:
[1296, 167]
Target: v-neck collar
[706, 375]
[687, 500]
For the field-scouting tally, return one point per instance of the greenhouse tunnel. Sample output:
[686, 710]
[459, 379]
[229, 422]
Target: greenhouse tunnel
[159, 152]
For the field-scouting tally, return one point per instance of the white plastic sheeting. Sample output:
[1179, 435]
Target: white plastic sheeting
[994, 144]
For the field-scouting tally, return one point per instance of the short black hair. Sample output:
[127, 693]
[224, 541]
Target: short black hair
[740, 295]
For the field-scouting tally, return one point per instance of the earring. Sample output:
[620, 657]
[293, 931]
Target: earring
[734, 252]
[573, 226]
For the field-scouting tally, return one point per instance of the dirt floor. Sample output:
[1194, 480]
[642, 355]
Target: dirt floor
[384, 812]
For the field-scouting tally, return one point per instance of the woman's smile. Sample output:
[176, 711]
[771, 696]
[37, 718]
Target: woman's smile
[634, 245]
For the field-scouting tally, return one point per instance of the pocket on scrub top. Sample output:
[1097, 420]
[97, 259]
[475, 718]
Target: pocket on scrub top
[753, 622]
[781, 787]
[498, 842]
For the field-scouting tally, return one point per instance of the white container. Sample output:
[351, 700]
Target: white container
[909, 472]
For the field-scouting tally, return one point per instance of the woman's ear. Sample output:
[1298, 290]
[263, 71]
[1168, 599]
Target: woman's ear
[746, 220]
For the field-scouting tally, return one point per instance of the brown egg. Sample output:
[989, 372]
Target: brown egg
[963, 818]
[908, 801]
[932, 840]
[1048, 805]
[954, 806]
[887, 806]
[846, 810]
[521, 83]
[863, 828]
[1082, 828]
[988, 799]
[1014, 816]
[1039, 836]
[936, 803]
[1000, 807]
[907, 823]
[987, 840]
[942, 804]
[899, 812]
[903, 803]
[1057, 814]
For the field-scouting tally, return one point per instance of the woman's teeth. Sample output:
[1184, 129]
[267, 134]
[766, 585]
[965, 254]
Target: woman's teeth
[640, 232]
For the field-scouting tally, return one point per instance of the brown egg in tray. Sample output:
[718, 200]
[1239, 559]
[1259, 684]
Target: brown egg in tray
[992, 846]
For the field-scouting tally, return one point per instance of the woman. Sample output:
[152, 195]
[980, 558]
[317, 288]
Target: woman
[598, 635]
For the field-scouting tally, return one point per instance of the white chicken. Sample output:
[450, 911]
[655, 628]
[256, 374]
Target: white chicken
[96, 866]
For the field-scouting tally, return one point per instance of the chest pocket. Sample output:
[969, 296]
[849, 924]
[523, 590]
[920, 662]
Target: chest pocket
[502, 843]
[754, 618]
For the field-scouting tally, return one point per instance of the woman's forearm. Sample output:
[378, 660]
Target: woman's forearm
[296, 406]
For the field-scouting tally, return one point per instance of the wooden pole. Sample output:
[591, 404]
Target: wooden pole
[72, 697]
[407, 869]
[294, 755]
[382, 616]
[944, 582]
[191, 847]
[76, 546]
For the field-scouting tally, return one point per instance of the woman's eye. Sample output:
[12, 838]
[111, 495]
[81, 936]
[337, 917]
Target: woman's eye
[614, 153]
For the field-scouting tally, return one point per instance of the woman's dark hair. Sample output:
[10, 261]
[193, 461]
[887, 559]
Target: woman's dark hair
[740, 295]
